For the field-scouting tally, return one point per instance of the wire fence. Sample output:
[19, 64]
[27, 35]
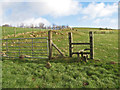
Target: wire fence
[60, 39]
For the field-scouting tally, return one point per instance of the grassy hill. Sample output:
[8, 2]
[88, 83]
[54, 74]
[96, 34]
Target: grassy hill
[66, 72]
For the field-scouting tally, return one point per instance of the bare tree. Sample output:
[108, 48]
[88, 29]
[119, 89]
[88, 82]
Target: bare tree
[31, 26]
[67, 26]
[63, 26]
[49, 27]
[41, 25]
[54, 26]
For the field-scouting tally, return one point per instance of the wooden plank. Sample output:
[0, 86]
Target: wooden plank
[57, 49]
[70, 45]
[91, 45]
[50, 43]
[83, 50]
[86, 49]
[80, 52]
[80, 43]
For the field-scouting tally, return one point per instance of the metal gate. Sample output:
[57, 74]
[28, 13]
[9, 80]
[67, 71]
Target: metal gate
[28, 47]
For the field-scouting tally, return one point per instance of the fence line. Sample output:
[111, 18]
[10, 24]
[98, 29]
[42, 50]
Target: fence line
[48, 43]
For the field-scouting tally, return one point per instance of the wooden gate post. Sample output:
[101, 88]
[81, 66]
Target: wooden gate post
[50, 43]
[70, 43]
[91, 45]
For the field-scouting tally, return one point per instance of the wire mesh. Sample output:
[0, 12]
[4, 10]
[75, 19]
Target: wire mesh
[61, 39]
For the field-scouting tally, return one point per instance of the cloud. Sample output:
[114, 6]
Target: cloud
[12, 0]
[100, 15]
[106, 22]
[21, 11]
[1, 13]
[95, 10]
[59, 8]
[36, 21]
[63, 7]
[56, 8]
[27, 22]
[33, 12]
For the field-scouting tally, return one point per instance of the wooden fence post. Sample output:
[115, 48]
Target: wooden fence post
[70, 43]
[91, 45]
[50, 43]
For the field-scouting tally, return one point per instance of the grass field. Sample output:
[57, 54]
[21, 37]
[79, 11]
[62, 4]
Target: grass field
[67, 72]
[8, 32]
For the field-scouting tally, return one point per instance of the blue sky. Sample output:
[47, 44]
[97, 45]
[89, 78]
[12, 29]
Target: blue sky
[61, 12]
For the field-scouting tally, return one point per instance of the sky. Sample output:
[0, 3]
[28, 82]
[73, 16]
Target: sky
[78, 13]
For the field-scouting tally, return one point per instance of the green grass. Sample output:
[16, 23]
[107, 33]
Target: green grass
[67, 72]
[10, 31]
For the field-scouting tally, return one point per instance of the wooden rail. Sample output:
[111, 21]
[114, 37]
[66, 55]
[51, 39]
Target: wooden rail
[80, 43]
[57, 49]
[81, 53]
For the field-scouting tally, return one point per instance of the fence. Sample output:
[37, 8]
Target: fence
[27, 47]
[56, 44]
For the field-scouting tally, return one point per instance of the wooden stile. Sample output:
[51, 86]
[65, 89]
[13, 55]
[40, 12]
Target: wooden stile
[91, 43]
